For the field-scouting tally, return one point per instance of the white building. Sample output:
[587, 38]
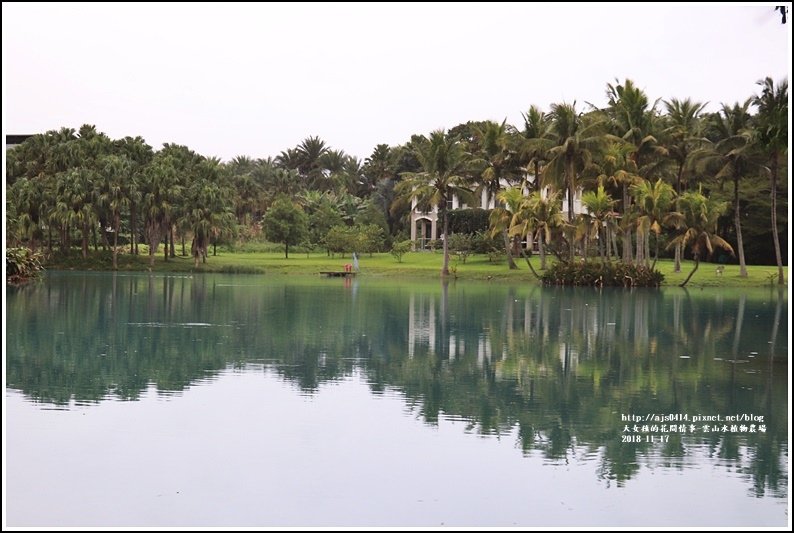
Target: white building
[425, 224]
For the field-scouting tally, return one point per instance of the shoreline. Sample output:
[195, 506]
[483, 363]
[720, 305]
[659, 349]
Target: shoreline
[414, 265]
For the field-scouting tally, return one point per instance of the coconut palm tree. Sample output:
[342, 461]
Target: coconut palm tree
[654, 202]
[536, 142]
[445, 169]
[683, 135]
[576, 142]
[733, 156]
[772, 130]
[635, 121]
[539, 216]
[501, 218]
[696, 221]
[497, 154]
[601, 213]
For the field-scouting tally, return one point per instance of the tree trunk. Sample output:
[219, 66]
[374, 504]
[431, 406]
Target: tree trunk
[133, 230]
[655, 252]
[86, 231]
[508, 245]
[542, 252]
[171, 233]
[116, 226]
[737, 219]
[445, 263]
[569, 172]
[677, 265]
[529, 264]
[776, 239]
[697, 264]
[167, 232]
[627, 232]
[646, 249]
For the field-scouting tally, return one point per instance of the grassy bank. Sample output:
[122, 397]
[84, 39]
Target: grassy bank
[414, 265]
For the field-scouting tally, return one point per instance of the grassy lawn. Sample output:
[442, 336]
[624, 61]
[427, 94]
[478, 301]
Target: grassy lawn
[414, 265]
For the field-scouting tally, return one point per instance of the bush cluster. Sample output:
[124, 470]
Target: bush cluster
[22, 264]
[598, 274]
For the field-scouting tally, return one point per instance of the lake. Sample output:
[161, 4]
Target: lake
[147, 400]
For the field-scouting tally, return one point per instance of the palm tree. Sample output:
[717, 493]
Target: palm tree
[576, 142]
[539, 216]
[773, 136]
[635, 121]
[310, 157]
[76, 204]
[683, 135]
[445, 168]
[654, 202]
[26, 200]
[536, 145]
[501, 218]
[617, 168]
[733, 156]
[379, 166]
[696, 221]
[111, 195]
[208, 212]
[497, 154]
[600, 207]
[139, 154]
[161, 194]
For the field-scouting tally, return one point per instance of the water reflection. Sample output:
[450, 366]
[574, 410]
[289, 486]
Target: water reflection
[559, 367]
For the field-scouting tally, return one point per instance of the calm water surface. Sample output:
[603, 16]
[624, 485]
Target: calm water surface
[211, 400]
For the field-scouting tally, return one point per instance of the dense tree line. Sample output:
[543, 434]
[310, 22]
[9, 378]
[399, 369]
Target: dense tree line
[653, 177]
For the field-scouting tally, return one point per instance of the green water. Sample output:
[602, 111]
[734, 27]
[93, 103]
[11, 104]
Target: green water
[212, 400]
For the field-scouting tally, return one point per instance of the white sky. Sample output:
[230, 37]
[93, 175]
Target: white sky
[256, 79]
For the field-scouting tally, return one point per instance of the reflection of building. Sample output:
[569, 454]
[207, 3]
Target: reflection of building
[421, 322]
[425, 224]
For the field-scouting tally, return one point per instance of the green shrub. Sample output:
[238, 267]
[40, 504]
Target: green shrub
[469, 220]
[22, 264]
[398, 249]
[597, 274]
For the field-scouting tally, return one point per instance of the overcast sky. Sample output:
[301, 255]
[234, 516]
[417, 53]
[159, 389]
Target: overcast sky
[256, 79]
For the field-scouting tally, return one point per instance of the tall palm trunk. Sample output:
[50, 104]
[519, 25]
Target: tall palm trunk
[542, 252]
[655, 252]
[116, 225]
[508, 250]
[773, 197]
[529, 264]
[677, 264]
[697, 264]
[569, 175]
[133, 229]
[86, 231]
[737, 219]
[445, 246]
[627, 228]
